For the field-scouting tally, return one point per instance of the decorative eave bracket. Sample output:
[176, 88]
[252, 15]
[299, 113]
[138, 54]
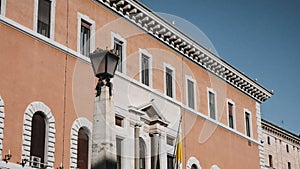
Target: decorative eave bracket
[151, 23]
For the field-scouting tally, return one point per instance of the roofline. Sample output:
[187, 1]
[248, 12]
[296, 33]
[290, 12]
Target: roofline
[273, 126]
[144, 18]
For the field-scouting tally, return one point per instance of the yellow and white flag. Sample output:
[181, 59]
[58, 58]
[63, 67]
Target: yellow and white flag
[179, 156]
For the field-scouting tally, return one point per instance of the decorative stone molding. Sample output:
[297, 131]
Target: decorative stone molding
[215, 167]
[2, 115]
[3, 7]
[271, 128]
[191, 161]
[50, 131]
[260, 137]
[77, 124]
[144, 18]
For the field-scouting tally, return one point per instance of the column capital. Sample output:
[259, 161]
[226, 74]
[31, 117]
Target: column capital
[134, 123]
[156, 128]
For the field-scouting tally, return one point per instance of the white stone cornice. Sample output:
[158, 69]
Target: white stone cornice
[144, 18]
[271, 128]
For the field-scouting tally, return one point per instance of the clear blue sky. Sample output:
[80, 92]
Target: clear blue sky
[259, 37]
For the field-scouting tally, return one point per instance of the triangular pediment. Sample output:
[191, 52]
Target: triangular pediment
[152, 114]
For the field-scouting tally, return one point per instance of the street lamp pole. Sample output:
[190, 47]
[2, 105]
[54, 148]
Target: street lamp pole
[104, 64]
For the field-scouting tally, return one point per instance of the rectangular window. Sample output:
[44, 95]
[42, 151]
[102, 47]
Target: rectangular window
[118, 47]
[118, 121]
[230, 115]
[289, 165]
[44, 15]
[145, 70]
[287, 148]
[170, 141]
[170, 161]
[212, 105]
[119, 153]
[270, 161]
[85, 35]
[268, 139]
[190, 94]
[248, 124]
[169, 82]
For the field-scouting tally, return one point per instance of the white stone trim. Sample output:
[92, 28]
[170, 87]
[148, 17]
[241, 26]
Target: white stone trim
[251, 128]
[216, 104]
[77, 124]
[92, 29]
[43, 39]
[3, 7]
[233, 112]
[146, 53]
[184, 107]
[52, 17]
[124, 44]
[260, 137]
[50, 131]
[166, 65]
[2, 116]
[191, 161]
[187, 77]
[214, 167]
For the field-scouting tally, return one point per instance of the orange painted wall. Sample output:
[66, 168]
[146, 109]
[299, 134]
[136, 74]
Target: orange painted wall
[214, 145]
[32, 71]
[21, 12]
[65, 84]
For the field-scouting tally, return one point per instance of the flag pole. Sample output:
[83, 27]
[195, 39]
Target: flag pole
[176, 143]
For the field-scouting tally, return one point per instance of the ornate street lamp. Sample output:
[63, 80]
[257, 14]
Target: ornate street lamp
[104, 63]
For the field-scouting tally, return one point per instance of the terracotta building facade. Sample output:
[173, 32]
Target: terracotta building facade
[47, 90]
[281, 147]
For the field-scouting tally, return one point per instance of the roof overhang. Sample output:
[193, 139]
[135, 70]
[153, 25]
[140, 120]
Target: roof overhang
[144, 18]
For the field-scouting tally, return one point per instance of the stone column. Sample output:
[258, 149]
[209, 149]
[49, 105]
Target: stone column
[154, 150]
[163, 150]
[104, 136]
[137, 146]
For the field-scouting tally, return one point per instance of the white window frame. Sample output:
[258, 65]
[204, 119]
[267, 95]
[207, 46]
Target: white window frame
[3, 7]
[49, 134]
[123, 40]
[173, 80]
[52, 17]
[251, 128]
[77, 124]
[233, 112]
[191, 161]
[123, 150]
[2, 117]
[123, 120]
[189, 78]
[146, 53]
[80, 17]
[216, 110]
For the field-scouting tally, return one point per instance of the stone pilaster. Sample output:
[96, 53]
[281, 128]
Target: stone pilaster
[260, 137]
